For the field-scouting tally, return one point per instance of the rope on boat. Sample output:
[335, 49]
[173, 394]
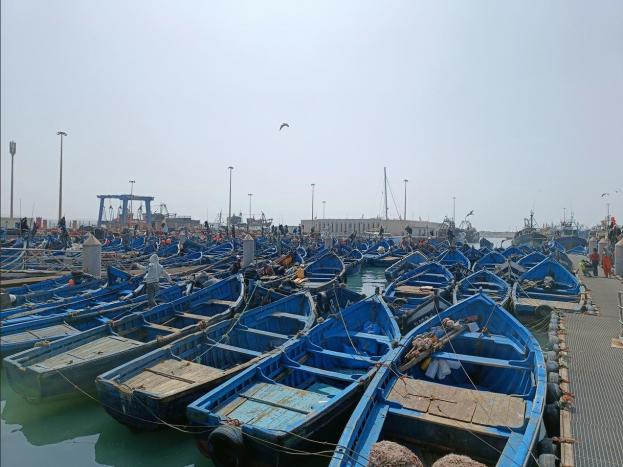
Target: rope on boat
[184, 429]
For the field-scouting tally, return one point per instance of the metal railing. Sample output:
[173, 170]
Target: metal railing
[621, 314]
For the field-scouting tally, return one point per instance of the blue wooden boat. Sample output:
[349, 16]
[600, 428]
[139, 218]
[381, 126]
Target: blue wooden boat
[69, 365]
[118, 284]
[578, 250]
[513, 253]
[548, 286]
[407, 263]
[484, 243]
[22, 335]
[353, 260]
[323, 273]
[453, 259]
[48, 284]
[510, 271]
[531, 260]
[490, 261]
[474, 393]
[473, 254]
[486, 282]
[79, 283]
[157, 387]
[410, 294]
[376, 252]
[304, 393]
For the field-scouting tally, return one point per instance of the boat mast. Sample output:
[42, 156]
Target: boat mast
[385, 190]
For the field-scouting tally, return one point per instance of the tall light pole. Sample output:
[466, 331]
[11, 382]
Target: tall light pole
[60, 185]
[324, 205]
[405, 215]
[454, 209]
[131, 182]
[249, 220]
[230, 168]
[12, 149]
[313, 185]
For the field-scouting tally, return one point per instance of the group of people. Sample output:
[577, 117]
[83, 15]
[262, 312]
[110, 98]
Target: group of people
[596, 259]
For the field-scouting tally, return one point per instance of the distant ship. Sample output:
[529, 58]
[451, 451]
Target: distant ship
[569, 234]
[529, 235]
[465, 233]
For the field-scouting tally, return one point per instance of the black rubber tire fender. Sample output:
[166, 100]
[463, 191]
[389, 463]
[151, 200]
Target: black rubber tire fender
[226, 446]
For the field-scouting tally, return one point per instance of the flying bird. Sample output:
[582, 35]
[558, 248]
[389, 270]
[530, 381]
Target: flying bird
[471, 213]
[283, 125]
[605, 194]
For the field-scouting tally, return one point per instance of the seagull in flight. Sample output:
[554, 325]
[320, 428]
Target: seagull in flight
[283, 125]
[605, 194]
[471, 213]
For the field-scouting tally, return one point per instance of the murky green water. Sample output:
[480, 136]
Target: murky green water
[80, 433]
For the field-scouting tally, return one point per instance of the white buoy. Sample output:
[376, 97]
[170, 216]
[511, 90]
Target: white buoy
[92, 256]
[618, 258]
[248, 250]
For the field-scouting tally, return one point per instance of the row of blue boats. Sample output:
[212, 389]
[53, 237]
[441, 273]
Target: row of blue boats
[281, 359]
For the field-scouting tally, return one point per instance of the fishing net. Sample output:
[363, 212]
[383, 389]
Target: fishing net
[454, 460]
[390, 454]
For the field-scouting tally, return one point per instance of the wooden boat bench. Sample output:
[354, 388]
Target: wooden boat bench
[485, 361]
[272, 405]
[495, 339]
[482, 411]
[215, 301]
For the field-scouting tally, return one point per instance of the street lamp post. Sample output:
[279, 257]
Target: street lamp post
[453, 209]
[132, 182]
[60, 185]
[12, 149]
[249, 220]
[230, 168]
[313, 185]
[405, 214]
[324, 204]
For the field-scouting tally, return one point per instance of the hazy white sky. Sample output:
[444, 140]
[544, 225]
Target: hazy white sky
[506, 105]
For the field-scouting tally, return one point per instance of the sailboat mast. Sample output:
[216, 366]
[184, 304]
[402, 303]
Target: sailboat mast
[385, 191]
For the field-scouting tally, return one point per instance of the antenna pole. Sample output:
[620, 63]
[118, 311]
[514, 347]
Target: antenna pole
[385, 191]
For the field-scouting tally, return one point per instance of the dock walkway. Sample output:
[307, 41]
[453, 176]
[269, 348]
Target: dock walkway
[596, 377]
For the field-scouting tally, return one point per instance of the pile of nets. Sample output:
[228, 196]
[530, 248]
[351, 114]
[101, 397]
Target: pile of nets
[455, 460]
[390, 454]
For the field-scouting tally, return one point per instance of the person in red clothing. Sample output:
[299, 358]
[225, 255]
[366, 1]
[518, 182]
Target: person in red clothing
[606, 264]
[594, 257]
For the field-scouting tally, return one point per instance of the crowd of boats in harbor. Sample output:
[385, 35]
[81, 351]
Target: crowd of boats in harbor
[259, 349]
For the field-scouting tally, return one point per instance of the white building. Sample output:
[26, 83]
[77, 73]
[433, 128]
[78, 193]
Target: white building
[344, 227]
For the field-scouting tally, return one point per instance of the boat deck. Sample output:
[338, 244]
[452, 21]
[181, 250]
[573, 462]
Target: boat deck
[445, 404]
[104, 346]
[554, 304]
[171, 376]
[596, 373]
[42, 333]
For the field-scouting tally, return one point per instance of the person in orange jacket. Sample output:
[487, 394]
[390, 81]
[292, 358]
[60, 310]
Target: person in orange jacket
[606, 264]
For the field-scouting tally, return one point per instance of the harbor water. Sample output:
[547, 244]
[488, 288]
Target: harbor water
[79, 432]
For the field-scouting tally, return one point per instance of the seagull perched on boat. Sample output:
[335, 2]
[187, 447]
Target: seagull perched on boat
[283, 125]
[605, 194]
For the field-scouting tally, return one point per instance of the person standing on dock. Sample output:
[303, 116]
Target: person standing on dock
[594, 257]
[606, 263]
[155, 271]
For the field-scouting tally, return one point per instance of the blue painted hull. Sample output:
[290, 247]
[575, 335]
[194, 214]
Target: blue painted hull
[303, 393]
[69, 365]
[157, 387]
[432, 413]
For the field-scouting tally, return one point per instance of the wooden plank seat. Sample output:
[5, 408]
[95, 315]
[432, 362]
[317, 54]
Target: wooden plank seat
[485, 361]
[448, 405]
[171, 376]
